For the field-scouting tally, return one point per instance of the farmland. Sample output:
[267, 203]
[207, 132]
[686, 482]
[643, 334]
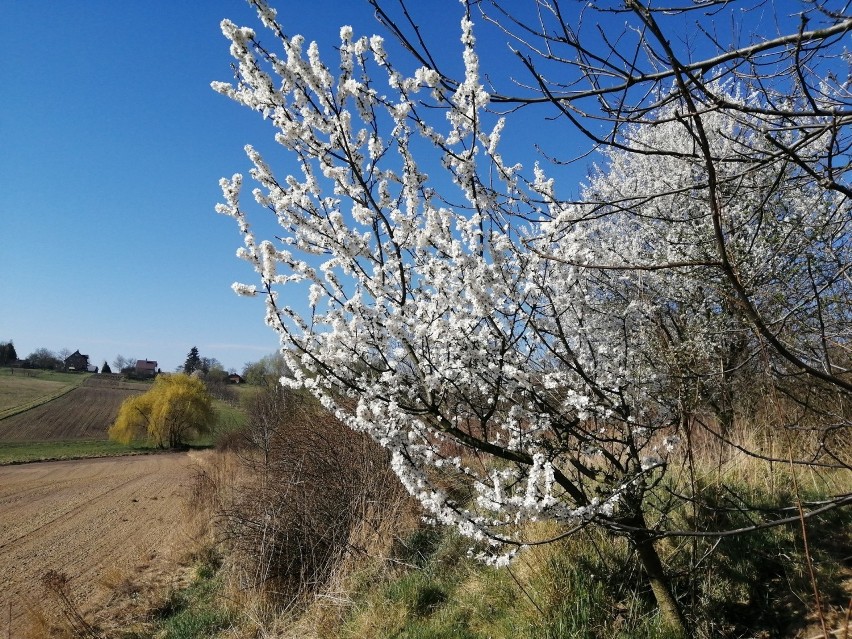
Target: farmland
[112, 525]
[116, 527]
[83, 412]
[24, 389]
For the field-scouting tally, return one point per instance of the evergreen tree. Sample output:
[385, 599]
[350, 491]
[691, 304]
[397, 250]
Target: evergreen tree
[193, 361]
[105, 368]
[7, 353]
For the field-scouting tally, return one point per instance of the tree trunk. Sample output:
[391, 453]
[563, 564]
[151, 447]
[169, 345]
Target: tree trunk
[670, 611]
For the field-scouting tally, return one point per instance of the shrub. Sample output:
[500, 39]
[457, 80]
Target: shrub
[317, 493]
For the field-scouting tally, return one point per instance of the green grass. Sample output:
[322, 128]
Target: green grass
[21, 390]
[229, 419]
[44, 375]
[196, 612]
[561, 592]
[15, 453]
[759, 584]
[589, 586]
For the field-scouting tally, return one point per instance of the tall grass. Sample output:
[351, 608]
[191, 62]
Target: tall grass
[309, 556]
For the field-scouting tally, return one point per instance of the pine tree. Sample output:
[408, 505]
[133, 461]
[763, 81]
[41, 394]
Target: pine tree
[7, 353]
[193, 361]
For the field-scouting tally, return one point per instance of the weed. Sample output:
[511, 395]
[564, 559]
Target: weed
[196, 611]
[196, 624]
[72, 621]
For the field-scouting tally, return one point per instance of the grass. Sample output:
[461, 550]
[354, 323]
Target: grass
[16, 453]
[761, 580]
[21, 389]
[195, 612]
[229, 418]
[589, 585]
[586, 586]
[42, 375]
[559, 591]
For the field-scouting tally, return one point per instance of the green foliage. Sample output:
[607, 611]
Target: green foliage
[196, 624]
[267, 370]
[211, 365]
[176, 408]
[196, 612]
[193, 361]
[8, 355]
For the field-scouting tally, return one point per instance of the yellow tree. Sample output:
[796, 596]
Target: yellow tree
[176, 408]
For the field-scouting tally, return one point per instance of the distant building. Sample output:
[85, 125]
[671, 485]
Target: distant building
[146, 368]
[76, 361]
[233, 378]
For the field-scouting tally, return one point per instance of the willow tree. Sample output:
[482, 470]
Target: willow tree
[478, 324]
[176, 409]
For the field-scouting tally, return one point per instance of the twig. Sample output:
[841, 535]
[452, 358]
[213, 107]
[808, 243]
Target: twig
[808, 559]
[524, 590]
[833, 632]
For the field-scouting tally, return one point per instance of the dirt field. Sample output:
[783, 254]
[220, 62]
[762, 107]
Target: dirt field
[84, 413]
[108, 524]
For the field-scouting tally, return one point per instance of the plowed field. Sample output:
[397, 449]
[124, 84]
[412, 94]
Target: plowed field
[84, 413]
[102, 522]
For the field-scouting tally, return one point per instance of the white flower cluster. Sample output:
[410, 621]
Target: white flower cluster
[527, 374]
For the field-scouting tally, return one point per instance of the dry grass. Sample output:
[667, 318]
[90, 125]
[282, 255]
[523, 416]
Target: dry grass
[299, 502]
[316, 532]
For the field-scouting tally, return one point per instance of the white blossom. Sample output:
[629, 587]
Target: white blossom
[460, 304]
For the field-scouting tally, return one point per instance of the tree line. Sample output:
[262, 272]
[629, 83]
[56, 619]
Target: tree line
[42, 358]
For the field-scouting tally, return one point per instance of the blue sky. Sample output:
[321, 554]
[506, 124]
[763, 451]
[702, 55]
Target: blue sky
[113, 144]
[112, 147]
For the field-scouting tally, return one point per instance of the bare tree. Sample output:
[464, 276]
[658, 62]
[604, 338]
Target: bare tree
[121, 362]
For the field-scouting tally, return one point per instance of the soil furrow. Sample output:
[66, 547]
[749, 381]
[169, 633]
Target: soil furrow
[92, 519]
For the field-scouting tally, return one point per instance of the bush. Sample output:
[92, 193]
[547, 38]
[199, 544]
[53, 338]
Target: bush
[317, 494]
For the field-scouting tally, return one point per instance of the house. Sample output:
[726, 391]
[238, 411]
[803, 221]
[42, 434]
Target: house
[146, 368]
[234, 378]
[76, 361]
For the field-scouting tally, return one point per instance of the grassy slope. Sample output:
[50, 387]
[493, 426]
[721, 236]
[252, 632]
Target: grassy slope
[83, 413]
[21, 389]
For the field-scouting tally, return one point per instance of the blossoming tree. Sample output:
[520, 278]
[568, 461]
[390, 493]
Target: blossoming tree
[531, 350]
